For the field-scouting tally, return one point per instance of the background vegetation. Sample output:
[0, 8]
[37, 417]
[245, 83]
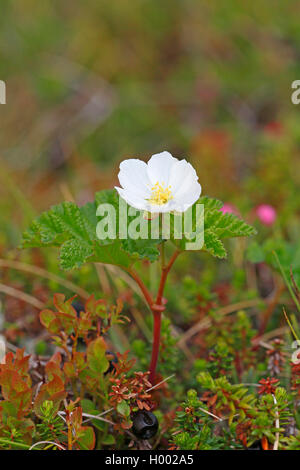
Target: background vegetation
[92, 83]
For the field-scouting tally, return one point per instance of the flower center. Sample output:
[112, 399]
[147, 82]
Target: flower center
[160, 194]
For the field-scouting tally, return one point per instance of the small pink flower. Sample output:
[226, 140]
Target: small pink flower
[266, 214]
[228, 209]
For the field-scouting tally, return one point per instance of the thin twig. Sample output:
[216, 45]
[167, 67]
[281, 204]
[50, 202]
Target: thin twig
[11, 291]
[290, 325]
[206, 323]
[277, 425]
[159, 383]
[271, 334]
[87, 415]
[210, 414]
[47, 442]
[103, 278]
[44, 273]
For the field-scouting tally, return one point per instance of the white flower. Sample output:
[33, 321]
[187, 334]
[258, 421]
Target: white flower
[164, 184]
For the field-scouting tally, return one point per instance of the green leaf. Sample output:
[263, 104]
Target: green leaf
[142, 249]
[108, 440]
[73, 229]
[217, 226]
[96, 356]
[213, 245]
[47, 317]
[73, 253]
[210, 203]
[255, 253]
[87, 438]
[76, 231]
[226, 225]
[65, 225]
[123, 408]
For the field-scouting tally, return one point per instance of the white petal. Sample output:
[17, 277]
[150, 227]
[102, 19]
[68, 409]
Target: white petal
[132, 199]
[181, 171]
[159, 167]
[183, 176]
[188, 198]
[134, 177]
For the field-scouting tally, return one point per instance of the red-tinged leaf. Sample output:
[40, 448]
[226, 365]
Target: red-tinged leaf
[80, 360]
[90, 382]
[86, 440]
[11, 382]
[55, 326]
[55, 385]
[59, 300]
[126, 424]
[96, 356]
[16, 391]
[16, 362]
[21, 362]
[76, 418]
[84, 324]
[26, 427]
[97, 308]
[56, 358]
[52, 369]
[53, 391]
[46, 317]
[68, 322]
[69, 370]
[64, 306]
[8, 361]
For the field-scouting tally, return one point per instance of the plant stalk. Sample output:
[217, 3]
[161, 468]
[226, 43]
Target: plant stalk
[155, 345]
[157, 308]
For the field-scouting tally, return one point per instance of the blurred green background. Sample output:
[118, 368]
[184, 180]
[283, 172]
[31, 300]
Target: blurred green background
[91, 83]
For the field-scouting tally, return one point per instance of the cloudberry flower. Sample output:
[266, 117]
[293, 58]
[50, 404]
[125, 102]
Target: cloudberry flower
[164, 184]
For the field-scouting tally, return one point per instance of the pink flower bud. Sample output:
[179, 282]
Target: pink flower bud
[266, 214]
[229, 209]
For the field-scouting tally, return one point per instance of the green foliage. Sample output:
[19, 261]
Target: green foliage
[220, 360]
[234, 398]
[74, 230]
[145, 101]
[269, 408]
[288, 254]
[292, 442]
[78, 379]
[51, 426]
[218, 226]
[195, 428]
[229, 416]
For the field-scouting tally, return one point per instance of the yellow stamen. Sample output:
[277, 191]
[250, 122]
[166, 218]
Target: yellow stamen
[160, 194]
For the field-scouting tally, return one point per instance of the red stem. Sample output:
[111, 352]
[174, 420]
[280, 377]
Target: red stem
[143, 288]
[155, 345]
[164, 275]
[157, 308]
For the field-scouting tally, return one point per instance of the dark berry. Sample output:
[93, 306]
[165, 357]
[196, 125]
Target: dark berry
[113, 359]
[78, 306]
[145, 424]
